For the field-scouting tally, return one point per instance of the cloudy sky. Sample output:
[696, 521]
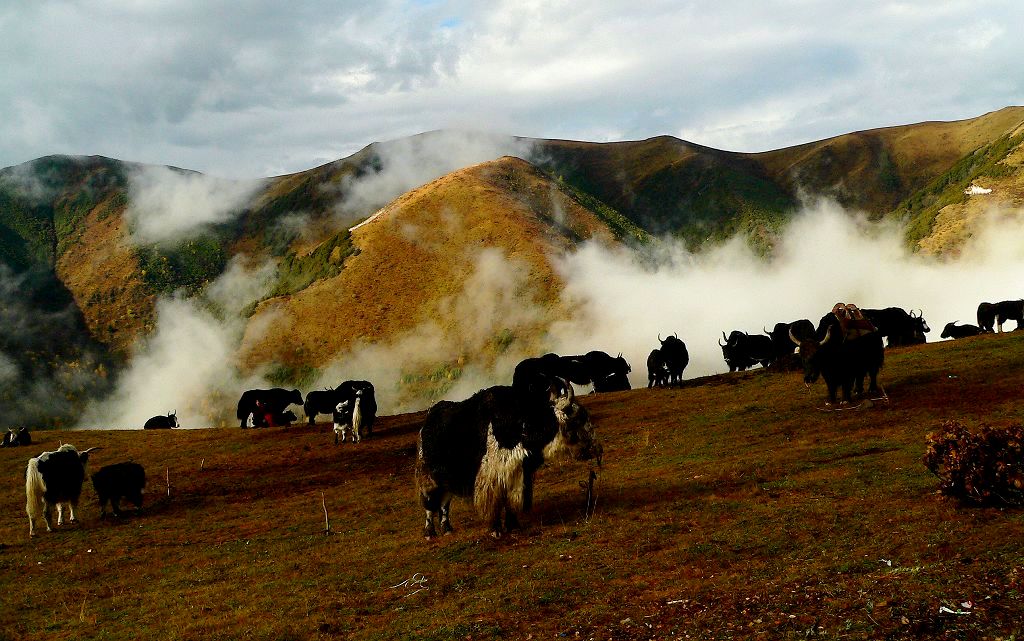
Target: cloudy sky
[261, 87]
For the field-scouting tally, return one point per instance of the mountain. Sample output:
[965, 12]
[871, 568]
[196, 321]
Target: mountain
[446, 237]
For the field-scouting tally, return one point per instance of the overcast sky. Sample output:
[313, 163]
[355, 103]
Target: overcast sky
[259, 88]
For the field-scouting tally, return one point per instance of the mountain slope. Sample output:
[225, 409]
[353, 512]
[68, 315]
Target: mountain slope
[425, 257]
[666, 185]
[69, 233]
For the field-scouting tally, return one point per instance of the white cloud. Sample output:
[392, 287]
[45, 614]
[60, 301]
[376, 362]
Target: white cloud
[825, 256]
[285, 88]
[188, 363]
[167, 205]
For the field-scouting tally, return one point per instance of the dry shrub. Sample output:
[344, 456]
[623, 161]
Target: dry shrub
[985, 468]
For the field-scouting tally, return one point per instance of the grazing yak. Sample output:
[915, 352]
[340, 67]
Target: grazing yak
[259, 406]
[490, 445]
[15, 438]
[843, 350]
[673, 350]
[355, 412]
[995, 314]
[117, 481]
[607, 373]
[54, 478]
[952, 330]
[898, 327]
[741, 350]
[163, 422]
[570, 368]
[320, 402]
[657, 369]
[986, 317]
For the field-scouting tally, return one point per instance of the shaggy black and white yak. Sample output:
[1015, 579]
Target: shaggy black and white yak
[117, 481]
[355, 412]
[54, 478]
[490, 445]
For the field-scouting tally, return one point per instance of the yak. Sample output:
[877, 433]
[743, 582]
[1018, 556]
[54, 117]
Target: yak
[657, 369]
[490, 445]
[673, 350]
[952, 330]
[54, 478]
[117, 481]
[899, 327]
[741, 350]
[163, 422]
[265, 402]
[841, 357]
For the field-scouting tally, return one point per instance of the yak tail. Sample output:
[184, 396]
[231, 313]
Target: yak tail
[357, 418]
[35, 488]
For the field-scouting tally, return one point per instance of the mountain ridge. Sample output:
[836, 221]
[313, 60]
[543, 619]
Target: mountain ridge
[72, 217]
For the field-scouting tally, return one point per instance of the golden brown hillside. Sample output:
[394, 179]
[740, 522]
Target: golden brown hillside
[415, 258]
[101, 270]
[991, 198]
[875, 169]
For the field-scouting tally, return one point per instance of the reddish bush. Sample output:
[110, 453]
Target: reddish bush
[986, 468]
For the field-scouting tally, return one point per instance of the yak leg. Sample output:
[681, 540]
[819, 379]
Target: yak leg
[873, 386]
[428, 527]
[847, 390]
[103, 506]
[114, 507]
[446, 522]
[48, 516]
[511, 520]
[832, 387]
[60, 514]
[71, 508]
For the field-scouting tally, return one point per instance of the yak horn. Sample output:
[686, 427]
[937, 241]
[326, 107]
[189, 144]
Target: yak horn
[659, 338]
[920, 313]
[676, 334]
[91, 449]
[828, 337]
[720, 343]
[793, 338]
[725, 338]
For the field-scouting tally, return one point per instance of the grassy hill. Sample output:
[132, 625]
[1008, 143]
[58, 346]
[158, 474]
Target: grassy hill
[421, 255]
[729, 508]
[66, 229]
[671, 186]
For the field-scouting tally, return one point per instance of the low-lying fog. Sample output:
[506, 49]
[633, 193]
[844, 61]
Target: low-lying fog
[622, 301]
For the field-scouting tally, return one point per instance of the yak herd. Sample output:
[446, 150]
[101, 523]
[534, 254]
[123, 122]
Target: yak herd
[488, 447]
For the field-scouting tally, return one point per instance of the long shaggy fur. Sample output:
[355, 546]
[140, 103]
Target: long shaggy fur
[501, 481]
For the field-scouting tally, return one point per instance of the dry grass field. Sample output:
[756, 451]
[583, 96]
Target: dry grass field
[729, 508]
